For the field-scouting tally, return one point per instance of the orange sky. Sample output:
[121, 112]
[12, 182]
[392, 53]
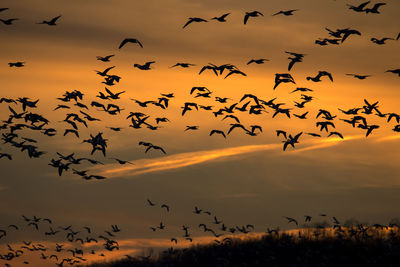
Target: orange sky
[242, 179]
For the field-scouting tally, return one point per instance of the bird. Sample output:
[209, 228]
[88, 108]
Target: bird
[251, 14]
[17, 64]
[281, 132]
[190, 20]
[8, 21]
[183, 65]
[297, 57]
[155, 147]
[165, 206]
[51, 22]
[381, 41]
[319, 75]
[291, 140]
[359, 8]
[122, 162]
[394, 71]
[286, 12]
[374, 9]
[235, 72]
[257, 61]
[283, 78]
[145, 66]
[360, 77]
[291, 220]
[217, 132]
[302, 116]
[301, 89]
[335, 133]
[130, 40]
[191, 128]
[104, 59]
[221, 18]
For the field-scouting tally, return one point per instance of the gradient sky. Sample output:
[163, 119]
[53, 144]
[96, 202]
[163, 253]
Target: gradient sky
[242, 179]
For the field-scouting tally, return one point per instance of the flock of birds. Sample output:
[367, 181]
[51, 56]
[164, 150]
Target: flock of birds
[71, 245]
[64, 244]
[79, 113]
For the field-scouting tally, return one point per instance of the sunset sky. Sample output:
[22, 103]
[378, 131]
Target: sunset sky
[242, 179]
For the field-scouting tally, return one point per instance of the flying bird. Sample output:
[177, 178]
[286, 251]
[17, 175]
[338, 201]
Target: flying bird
[257, 61]
[130, 40]
[194, 20]
[17, 64]
[381, 41]
[51, 22]
[145, 66]
[105, 59]
[222, 18]
[375, 8]
[359, 8]
[217, 132]
[286, 12]
[360, 77]
[8, 21]
[251, 14]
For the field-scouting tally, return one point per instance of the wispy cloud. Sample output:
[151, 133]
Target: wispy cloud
[328, 142]
[182, 160]
[388, 138]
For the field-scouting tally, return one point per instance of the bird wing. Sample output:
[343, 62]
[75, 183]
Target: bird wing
[246, 18]
[187, 23]
[361, 6]
[291, 63]
[53, 20]
[126, 40]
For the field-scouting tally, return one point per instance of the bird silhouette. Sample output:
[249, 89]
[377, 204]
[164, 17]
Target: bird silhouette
[183, 65]
[105, 59]
[375, 8]
[145, 66]
[122, 162]
[381, 41]
[221, 18]
[8, 21]
[130, 40]
[359, 8]
[17, 64]
[251, 14]
[190, 20]
[51, 22]
[165, 206]
[257, 61]
[286, 12]
[394, 71]
[360, 77]
[319, 75]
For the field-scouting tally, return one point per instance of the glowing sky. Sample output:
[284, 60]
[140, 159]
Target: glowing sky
[242, 179]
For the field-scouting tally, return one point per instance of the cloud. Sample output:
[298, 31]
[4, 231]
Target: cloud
[388, 138]
[324, 143]
[181, 160]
